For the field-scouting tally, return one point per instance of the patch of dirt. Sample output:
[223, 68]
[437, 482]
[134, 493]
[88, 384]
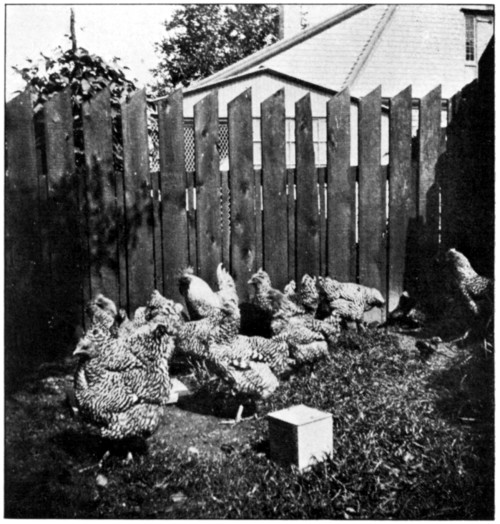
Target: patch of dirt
[183, 429]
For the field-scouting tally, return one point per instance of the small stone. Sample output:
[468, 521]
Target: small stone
[101, 481]
[178, 497]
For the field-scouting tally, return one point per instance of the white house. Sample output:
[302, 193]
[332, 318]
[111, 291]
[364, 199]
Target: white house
[264, 82]
[326, 48]
[363, 46]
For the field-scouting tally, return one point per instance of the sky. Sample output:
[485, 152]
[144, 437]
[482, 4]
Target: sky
[125, 31]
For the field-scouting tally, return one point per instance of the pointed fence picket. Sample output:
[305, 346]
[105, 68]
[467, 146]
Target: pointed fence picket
[307, 212]
[372, 189]
[402, 193]
[101, 206]
[274, 188]
[242, 192]
[208, 188]
[341, 197]
[174, 220]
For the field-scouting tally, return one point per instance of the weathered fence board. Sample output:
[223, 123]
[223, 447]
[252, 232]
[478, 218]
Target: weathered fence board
[259, 260]
[242, 188]
[307, 213]
[292, 240]
[402, 193]
[69, 257]
[175, 246]
[191, 218]
[429, 151]
[21, 224]
[208, 184]
[225, 218]
[138, 201]
[43, 233]
[372, 182]
[157, 232]
[341, 185]
[101, 201]
[321, 173]
[274, 181]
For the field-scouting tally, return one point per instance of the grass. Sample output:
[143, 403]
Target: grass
[413, 439]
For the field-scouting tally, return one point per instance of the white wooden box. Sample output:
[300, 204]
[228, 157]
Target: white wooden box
[178, 391]
[300, 435]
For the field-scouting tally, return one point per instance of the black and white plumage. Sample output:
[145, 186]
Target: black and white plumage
[128, 326]
[265, 297]
[308, 296]
[245, 376]
[274, 353]
[122, 378]
[348, 300]
[162, 310]
[474, 292]
[220, 326]
[199, 297]
[305, 336]
[290, 290]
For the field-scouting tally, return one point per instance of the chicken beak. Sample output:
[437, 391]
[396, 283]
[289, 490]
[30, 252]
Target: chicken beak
[80, 352]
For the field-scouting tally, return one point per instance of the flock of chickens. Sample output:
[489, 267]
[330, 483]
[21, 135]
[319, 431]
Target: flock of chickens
[122, 380]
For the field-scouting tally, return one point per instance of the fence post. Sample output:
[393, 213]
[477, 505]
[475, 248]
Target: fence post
[402, 195]
[173, 190]
[208, 187]
[341, 186]
[100, 196]
[372, 187]
[307, 214]
[242, 190]
[138, 201]
[274, 181]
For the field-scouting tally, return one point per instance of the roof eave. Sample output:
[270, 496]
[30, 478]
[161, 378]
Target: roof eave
[280, 46]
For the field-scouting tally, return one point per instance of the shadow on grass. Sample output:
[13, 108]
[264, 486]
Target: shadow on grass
[80, 444]
[85, 445]
[217, 404]
[466, 398]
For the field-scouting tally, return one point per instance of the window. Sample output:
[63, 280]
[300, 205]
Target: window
[319, 139]
[470, 38]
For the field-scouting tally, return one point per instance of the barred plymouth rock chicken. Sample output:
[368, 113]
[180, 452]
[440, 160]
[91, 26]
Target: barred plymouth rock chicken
[122, 378]
[307, 338]
[307, 296]
[162, 309]
[264, 295]
[122, 393]
[274, 353]
[290, 290]
[220, 326]
[245, 375]
[475, 292]
[200, 298]
[127, 326]
[348, 300]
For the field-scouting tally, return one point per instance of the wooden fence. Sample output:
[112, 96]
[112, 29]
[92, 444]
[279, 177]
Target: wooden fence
[72, 232]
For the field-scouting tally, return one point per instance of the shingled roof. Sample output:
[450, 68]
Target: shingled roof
[268, 53]
[392, 45]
